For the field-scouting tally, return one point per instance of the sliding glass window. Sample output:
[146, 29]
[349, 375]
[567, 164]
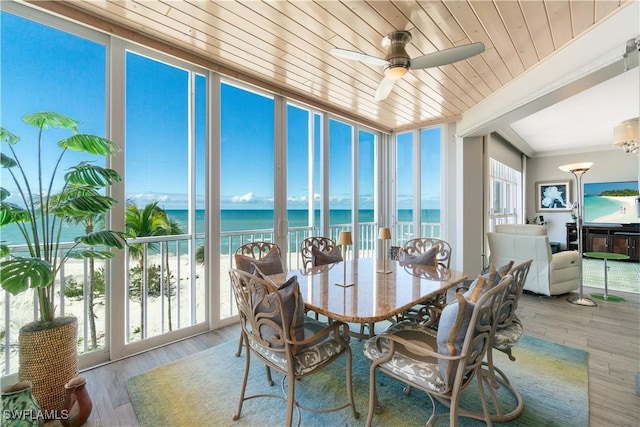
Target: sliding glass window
[44, 69]
[247, 147]
[165, 133]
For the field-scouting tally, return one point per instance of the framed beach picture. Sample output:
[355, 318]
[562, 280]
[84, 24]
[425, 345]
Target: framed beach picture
[553, 196]
[611, 202]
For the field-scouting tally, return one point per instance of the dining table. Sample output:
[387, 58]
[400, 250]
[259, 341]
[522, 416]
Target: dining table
[361, 291]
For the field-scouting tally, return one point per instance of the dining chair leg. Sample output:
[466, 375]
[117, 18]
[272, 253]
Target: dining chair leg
[240, 342]
[247, 362]
[290, 400]
[374, 404]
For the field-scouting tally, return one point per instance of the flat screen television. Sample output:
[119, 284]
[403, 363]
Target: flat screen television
[611, 202]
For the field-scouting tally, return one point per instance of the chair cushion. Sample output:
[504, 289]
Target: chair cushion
[452, 328]
[492, 276]
[506, 338]
[428, 257]
[268, 264]
[421, 370]
[308, 356]
[292, 307]
[329, 257]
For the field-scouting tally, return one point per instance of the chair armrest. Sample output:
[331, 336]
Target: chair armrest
[564, 259]
[333, 328]
[416, 347]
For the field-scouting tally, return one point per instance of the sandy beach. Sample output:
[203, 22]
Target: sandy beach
[22, 306]
[626, 214]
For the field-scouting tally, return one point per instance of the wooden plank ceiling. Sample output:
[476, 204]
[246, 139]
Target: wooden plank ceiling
[284, 46]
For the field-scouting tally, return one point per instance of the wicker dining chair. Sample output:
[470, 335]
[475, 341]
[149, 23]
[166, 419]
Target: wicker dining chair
[442, 363]
[277, 332]
[413, 250]
[509, 330]
[255, 252]
[323, 244]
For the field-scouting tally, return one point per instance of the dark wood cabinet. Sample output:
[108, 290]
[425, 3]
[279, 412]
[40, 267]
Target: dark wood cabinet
[572, 236]
[614, 238]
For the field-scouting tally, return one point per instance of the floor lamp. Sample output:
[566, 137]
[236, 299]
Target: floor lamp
[384, 234]
[344, 240]
[579, 169]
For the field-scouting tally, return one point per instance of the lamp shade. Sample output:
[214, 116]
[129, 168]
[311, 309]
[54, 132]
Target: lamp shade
[576, 167]
[344, 238]
[384, 233]
[625, 135]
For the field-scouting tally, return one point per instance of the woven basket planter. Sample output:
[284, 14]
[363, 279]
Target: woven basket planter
[49, 359]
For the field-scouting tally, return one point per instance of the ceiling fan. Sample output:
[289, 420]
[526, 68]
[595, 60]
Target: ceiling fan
[397, 62]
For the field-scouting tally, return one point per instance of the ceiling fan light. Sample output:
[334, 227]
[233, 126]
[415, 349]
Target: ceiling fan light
[395, 73]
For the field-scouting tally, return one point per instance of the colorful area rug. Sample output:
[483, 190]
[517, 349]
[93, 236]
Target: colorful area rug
[622, 275]
[203, 389]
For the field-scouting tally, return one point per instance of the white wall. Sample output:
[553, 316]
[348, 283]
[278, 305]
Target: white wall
[608, 166]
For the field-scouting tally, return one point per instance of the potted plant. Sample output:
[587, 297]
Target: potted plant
[48, 346]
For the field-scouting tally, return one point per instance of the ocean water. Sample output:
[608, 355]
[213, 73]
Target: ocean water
[239, 220]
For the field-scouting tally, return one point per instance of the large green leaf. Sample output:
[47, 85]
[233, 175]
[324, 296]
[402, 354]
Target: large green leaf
[8, 137]
[47, 119]
[11, 213]
[113, 239]
[4, 250]
[16, 274]
[84, 205]
[92, 144]
[87, 174]
[4, 193]
[6, 161]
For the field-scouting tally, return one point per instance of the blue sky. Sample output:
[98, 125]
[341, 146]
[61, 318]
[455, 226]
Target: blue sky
[43, 69]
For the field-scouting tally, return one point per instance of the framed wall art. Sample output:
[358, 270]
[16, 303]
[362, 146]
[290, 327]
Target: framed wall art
[553, 196]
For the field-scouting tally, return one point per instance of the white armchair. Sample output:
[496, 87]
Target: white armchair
[550, 274]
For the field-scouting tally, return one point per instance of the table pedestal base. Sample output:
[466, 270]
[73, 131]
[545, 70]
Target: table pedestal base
[607, 297]
[581, 301]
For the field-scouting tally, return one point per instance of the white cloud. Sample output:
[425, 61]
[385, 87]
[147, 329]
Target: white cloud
[246, 198]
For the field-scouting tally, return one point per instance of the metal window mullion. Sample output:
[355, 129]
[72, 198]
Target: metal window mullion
[355, 220]
[163, 283]
[127, 304]
[86, 289]
[192, 260]
[143, 291]
[417, 185]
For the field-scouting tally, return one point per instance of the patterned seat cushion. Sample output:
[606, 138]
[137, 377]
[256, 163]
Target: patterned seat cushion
[420, 370]
[308, 356]
[506, 338]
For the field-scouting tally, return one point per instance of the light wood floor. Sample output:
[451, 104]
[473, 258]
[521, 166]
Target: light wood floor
[610, 333]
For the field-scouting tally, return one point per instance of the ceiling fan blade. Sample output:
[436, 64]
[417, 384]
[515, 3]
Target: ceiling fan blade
[357, 56]
[384, 89]
[447, 56]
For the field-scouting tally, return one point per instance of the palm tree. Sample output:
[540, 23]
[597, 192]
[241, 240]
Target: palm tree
[150, 221]
[174, 228]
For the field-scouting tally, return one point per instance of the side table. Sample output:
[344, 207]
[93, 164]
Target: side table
[606, 256]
